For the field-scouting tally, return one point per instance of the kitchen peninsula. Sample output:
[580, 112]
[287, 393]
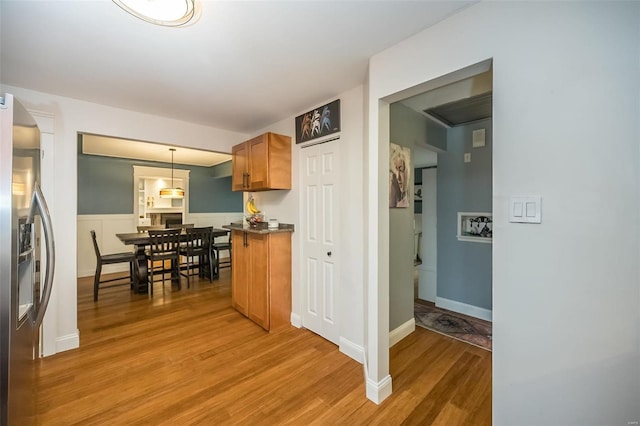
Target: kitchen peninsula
[261, 279]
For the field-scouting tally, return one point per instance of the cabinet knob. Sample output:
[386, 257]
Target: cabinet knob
[329, 253]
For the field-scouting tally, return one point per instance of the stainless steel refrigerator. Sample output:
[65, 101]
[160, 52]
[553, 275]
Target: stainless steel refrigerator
[25, 278]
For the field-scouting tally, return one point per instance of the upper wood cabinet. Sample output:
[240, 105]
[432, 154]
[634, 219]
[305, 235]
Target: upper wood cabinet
[262, 163]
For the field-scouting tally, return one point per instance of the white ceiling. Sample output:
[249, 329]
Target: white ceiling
[242, 66]
[125, 148]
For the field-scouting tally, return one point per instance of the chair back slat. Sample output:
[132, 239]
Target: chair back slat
[199, 239]
[95, 244]
[164, 241]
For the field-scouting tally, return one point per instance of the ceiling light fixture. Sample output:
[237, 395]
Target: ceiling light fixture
[173, 192]
[169, 13]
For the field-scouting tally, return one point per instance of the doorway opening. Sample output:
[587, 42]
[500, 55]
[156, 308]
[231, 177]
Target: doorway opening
[443, 265]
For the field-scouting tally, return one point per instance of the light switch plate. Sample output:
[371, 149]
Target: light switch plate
[525, 209]
[467, 157]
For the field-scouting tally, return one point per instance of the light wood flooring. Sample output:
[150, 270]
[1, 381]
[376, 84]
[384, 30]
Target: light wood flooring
[186, 357]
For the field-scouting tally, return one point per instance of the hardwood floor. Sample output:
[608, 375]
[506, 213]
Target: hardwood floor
[188, 358]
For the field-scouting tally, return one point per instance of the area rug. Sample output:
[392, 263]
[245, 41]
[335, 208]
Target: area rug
[466, 329]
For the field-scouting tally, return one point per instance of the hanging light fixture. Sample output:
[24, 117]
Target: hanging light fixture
[173, 192]
[169, 13]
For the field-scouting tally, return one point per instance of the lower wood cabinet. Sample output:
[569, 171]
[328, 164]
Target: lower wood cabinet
[261, 277]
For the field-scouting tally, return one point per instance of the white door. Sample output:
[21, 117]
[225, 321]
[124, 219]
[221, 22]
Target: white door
[320, 247]
[428, 270]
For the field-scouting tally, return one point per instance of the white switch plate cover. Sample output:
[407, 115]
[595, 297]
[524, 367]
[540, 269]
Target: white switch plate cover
[467, 157]
[525, 209]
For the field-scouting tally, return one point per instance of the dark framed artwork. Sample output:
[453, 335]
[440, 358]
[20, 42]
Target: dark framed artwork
[318, 122]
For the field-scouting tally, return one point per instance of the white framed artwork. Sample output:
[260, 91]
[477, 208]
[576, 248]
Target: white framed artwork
[475, 227]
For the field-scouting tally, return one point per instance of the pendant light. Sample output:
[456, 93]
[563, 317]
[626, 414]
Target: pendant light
[173, 192]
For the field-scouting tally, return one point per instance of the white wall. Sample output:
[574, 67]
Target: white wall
[285, 206]
[428, 269]
[566, 108]
[73, 116]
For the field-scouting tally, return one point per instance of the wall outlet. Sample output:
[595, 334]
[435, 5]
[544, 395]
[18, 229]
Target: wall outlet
[467, 157]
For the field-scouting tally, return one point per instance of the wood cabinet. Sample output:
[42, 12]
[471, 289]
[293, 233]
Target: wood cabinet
[262, 163]
[261, 277]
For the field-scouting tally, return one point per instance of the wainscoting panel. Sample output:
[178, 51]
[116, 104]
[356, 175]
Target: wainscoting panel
[108, 225]
[214, 219]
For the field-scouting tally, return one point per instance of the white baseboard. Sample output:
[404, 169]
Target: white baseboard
[379, 391]
[296, 320]
[463, 308]
[68, 342]
[376, 391]
[352, 350]
[401, 332]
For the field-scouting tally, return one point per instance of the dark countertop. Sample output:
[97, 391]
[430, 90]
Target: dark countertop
[261, 229]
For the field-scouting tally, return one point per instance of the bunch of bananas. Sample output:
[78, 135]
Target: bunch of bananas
[251, 206]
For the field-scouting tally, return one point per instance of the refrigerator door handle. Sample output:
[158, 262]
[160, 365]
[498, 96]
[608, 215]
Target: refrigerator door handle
[38, 203]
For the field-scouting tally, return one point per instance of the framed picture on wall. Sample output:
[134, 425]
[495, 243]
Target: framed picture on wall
[417, 192]
[399, 169]
[318, 122]
[475, 227]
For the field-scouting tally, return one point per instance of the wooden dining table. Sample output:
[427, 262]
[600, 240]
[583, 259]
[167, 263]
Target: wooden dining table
[140, 240]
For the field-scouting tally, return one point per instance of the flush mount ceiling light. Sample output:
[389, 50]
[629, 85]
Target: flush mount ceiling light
[172, 192]
[170, 13]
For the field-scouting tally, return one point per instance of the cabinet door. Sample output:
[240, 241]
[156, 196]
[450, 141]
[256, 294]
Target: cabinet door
[259, 281]
[240, 166]
[259, 162]
[240, 275]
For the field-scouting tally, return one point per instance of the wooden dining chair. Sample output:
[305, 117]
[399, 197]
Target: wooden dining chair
[164, 245]
[110, 259]
[198, 245]
[217, 248]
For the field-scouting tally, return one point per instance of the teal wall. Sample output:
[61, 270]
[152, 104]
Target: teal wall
[464, 268]
[105, 186]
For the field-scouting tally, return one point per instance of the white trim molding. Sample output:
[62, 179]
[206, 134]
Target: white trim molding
[463, 308]
[68, 342]
[401, 332]
[352, 350]
[296, 320]
[46, 120]
[378, 392]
